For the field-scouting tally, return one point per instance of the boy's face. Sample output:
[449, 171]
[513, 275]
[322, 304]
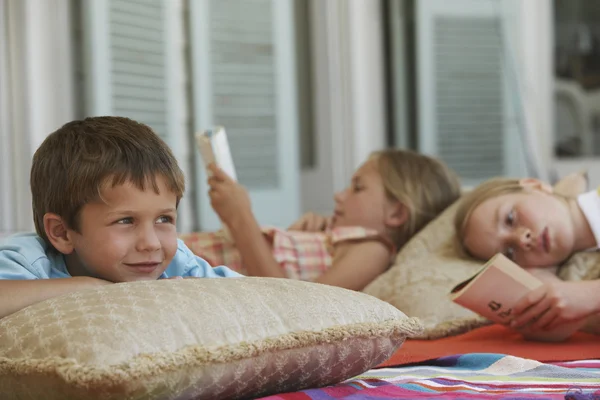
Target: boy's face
[533, 228]
[129, 237]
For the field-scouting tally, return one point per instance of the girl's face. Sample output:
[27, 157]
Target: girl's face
[533, 228]
[365, 203]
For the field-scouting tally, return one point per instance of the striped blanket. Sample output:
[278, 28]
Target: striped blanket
[468, 376]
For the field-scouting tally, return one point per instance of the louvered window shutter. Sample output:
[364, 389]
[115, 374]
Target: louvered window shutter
[466, 109]
[134, 56]
[138, 61]
[244, 79]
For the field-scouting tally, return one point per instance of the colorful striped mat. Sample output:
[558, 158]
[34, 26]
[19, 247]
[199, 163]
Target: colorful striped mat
[468, 376]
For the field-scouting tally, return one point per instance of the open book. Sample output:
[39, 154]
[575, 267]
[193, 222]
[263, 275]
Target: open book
[495, 289]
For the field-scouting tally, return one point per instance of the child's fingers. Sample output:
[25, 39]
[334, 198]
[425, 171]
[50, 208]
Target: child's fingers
[533, 297]
[218, 173]
[311, 224]
[213, 182]
[328, 223]
[212, 167]
[546, 319]
[555, 323]
[531, 314]
[300, 224]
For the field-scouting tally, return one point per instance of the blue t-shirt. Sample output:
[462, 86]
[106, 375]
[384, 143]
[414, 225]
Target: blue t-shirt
[26, 256]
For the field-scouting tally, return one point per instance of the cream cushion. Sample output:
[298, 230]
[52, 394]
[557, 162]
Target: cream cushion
[195, 339]
[428, 266]
[425, 270]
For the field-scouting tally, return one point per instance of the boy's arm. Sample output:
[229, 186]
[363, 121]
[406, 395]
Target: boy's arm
[357, 264]
[18, 294]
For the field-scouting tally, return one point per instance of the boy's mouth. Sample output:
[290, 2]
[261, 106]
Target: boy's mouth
[145, 267]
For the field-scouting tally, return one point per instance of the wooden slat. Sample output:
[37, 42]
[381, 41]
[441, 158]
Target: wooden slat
[244, 92]
[138, 61]
[469, 98]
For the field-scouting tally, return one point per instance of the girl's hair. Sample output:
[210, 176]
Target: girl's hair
[424, 185]
[489, 189]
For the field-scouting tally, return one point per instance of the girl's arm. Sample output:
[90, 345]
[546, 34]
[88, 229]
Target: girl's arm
[355, 265]
[556, 310]
[311, 222]
[558, 334]
[256, 253]
[231, 202]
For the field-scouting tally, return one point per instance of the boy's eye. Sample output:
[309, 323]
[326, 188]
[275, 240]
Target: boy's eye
[125, 221]
[164, 219]
[510, 217]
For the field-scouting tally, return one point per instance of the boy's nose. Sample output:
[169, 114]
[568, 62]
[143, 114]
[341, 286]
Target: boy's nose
[339, 196]
[148, 240]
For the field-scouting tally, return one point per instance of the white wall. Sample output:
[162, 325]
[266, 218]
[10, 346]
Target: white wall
[534, 42]
[37, 94]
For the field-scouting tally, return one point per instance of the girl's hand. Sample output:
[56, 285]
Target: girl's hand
[228, 198]
[311, 222]
[554, 304]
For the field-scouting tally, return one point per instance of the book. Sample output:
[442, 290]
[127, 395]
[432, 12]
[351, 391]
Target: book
[214, 148]
[494, 290]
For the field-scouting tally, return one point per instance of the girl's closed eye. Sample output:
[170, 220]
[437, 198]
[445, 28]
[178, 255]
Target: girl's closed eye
[357, 186]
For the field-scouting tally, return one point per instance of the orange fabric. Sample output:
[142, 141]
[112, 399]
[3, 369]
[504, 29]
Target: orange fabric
[497, 339]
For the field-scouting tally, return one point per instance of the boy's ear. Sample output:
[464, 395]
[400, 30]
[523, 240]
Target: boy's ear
[397, 216]
[532, 183]
[58, 233]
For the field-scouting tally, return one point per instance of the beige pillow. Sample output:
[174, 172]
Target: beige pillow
[428, 267]
[425, 270]
[195, 338]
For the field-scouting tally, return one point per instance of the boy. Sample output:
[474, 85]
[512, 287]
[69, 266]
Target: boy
[105, 194]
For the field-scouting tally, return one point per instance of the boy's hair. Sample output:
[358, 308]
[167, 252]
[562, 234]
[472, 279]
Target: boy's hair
[424, 185]
[73, 163]
[489, 189]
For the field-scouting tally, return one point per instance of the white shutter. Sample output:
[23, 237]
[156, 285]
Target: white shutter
[244, 79]
[126, 57]
[134, 66]
[466, 101]
[138, 58]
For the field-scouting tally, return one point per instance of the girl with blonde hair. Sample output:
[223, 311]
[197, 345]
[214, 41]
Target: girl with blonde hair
[539, 229]
[391, 197]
